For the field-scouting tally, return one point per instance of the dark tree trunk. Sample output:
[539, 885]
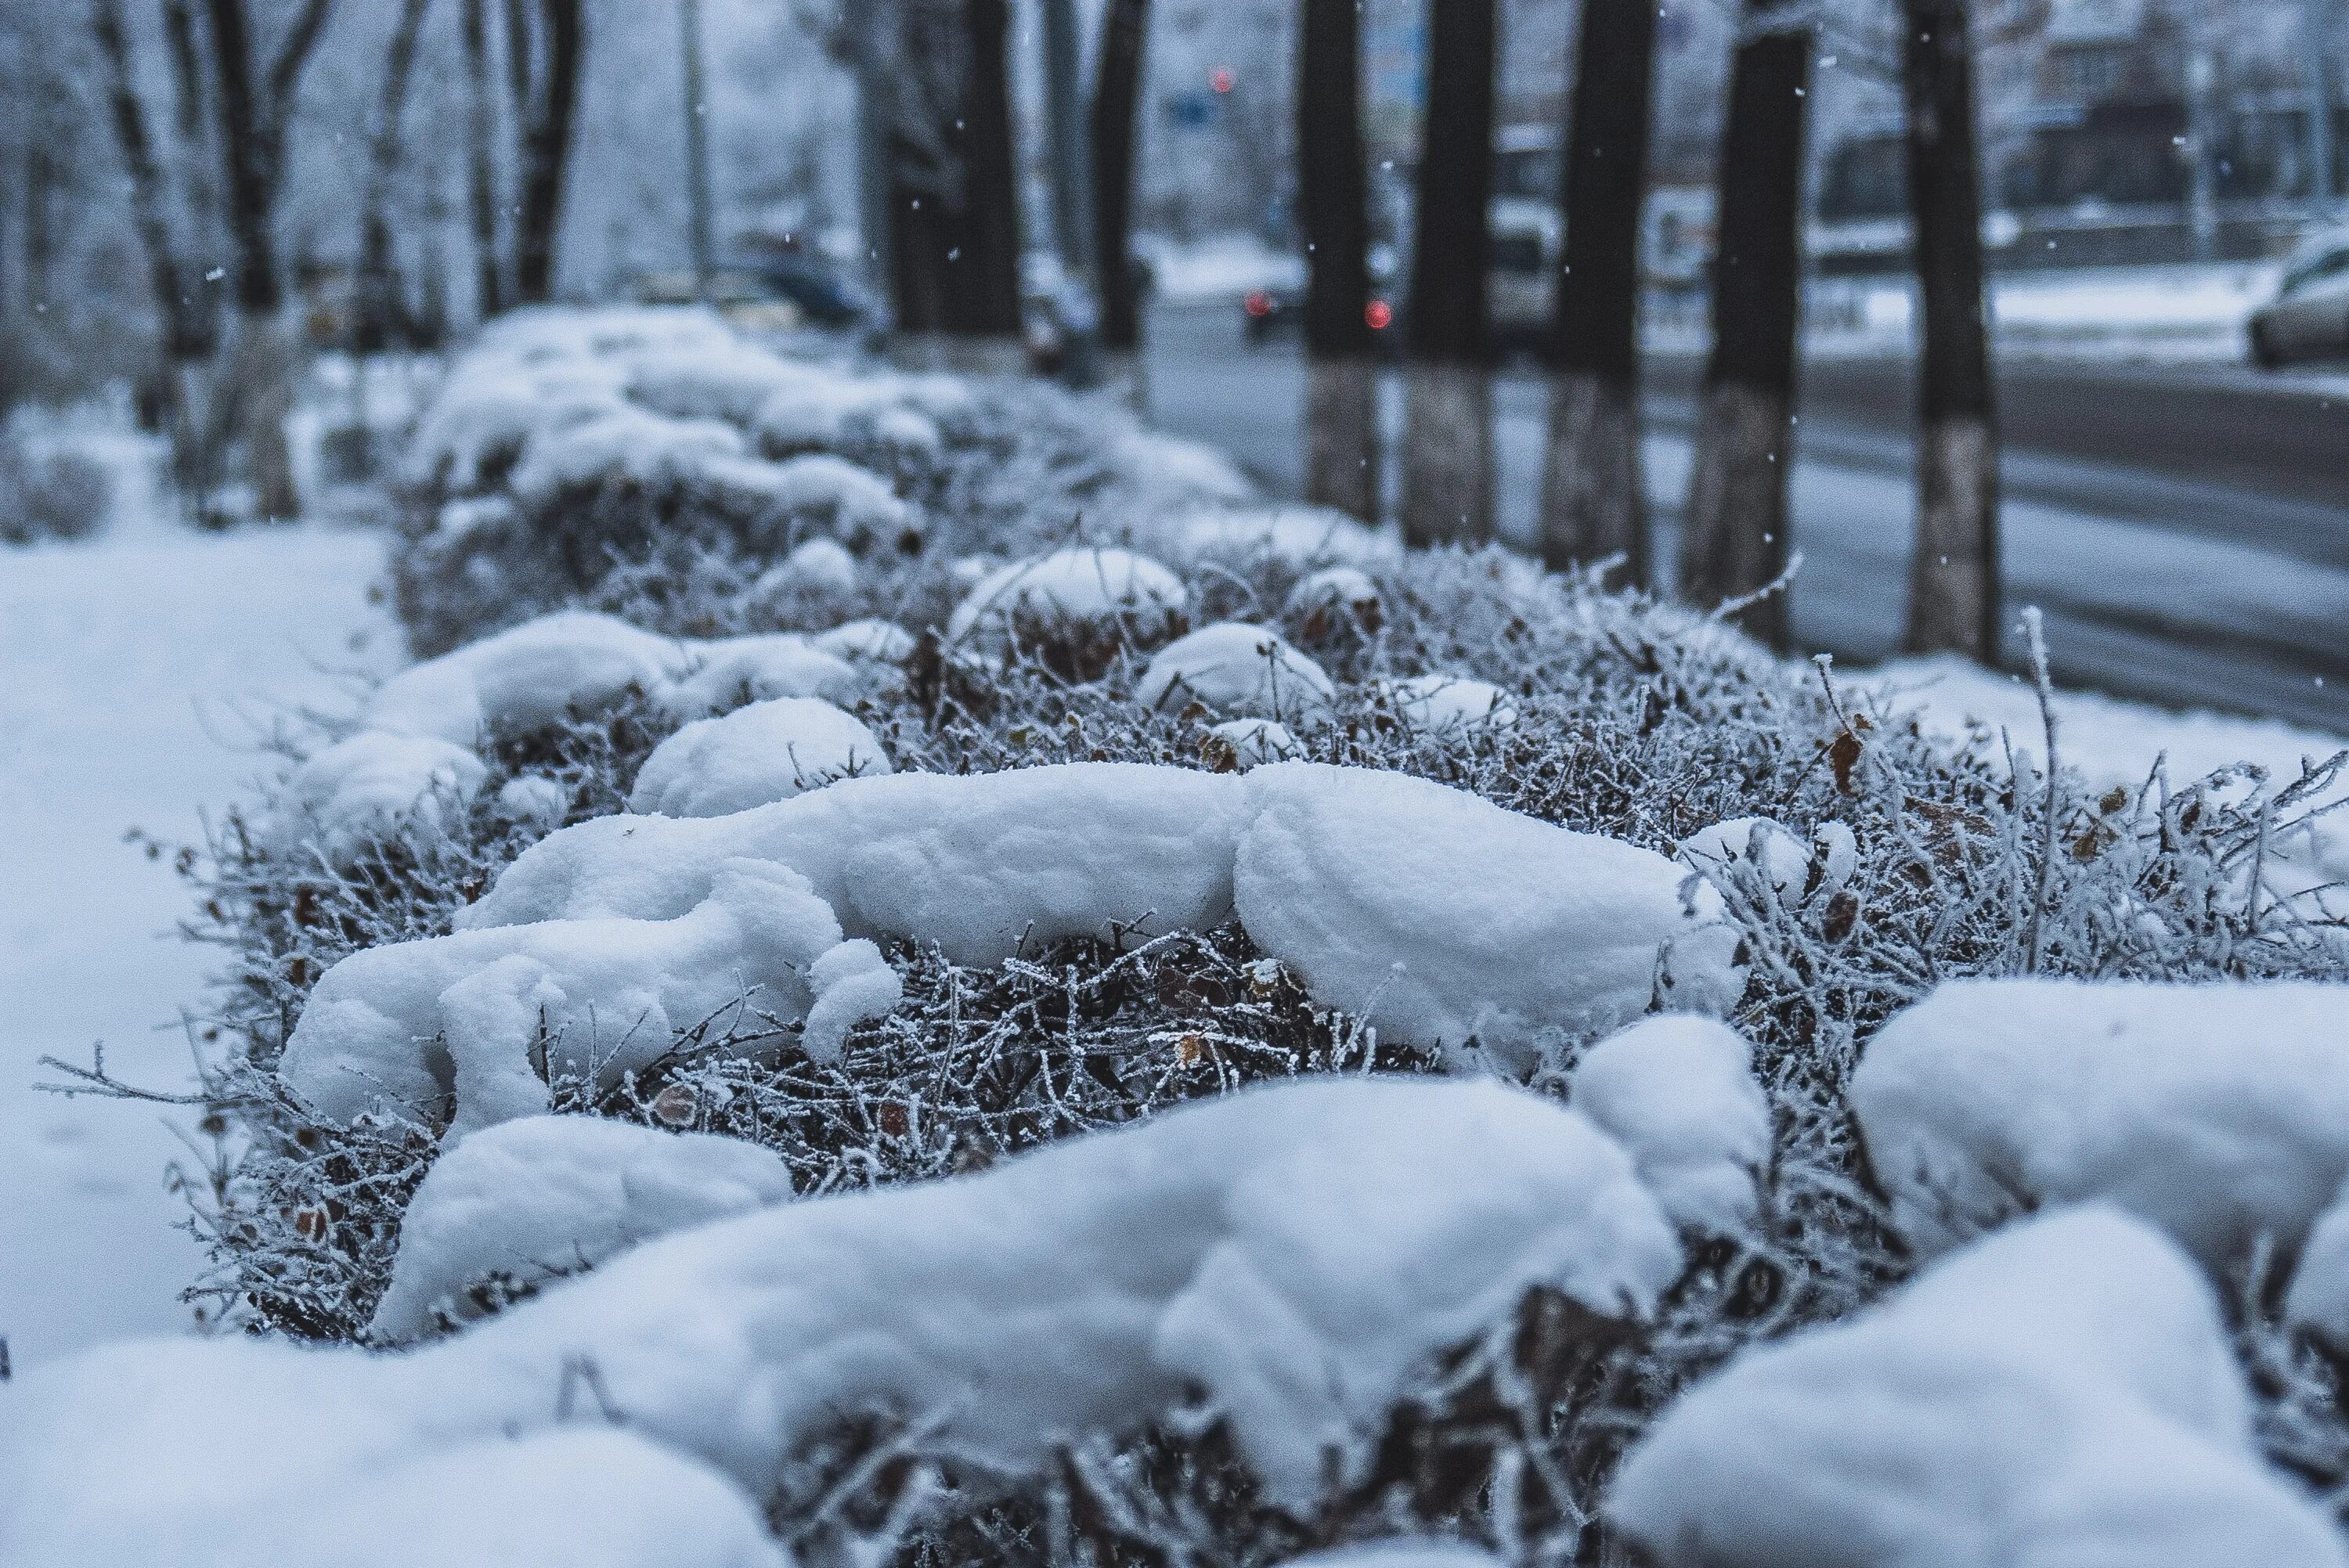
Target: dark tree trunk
[150, 191]
[377, 318]
[1592, 505]
[546, 145]
[1736, 541]
[1448, 461]
[1117, 91]
[480, 167]
[982, 292]
[1953, 600]
[1334, 185]
[253, 116]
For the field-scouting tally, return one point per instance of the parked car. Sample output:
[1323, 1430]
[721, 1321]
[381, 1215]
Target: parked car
[2309, 317]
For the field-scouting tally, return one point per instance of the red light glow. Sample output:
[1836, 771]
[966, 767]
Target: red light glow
[1222, 80]
[1380, 315]
[1258, 303]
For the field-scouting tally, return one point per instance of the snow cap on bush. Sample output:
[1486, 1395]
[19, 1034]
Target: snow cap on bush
[1234, 668]
[529, 1200]
[2062, 1392]
[1677, 1091]
[765, 752]
[1293, 1256]
[1076, 585]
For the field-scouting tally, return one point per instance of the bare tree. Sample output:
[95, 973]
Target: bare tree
[1954, 571]
[1448, 460]
[481, 165]
[254, 105]
[378, 312]
[545, 72]
[1117, 92]
[1342, 374]
[1735, 543]
[1592, 504]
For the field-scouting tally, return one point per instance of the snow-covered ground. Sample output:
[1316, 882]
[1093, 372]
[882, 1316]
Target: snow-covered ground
[136, 666]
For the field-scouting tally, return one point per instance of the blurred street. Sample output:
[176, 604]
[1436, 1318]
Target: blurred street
[2185, 527]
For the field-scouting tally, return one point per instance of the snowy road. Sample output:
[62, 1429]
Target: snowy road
[2188, 530]
[133, 671]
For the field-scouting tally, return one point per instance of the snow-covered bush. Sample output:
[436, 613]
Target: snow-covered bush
[1523, 814]
[49, 492]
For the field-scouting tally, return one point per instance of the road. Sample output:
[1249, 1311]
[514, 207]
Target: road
[2186, 529]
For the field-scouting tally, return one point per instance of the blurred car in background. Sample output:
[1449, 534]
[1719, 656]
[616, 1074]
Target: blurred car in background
[2309, 317]
[773, 294]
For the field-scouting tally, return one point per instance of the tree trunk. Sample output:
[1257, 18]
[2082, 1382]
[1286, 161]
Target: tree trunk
[1341, 437]
[377, 317]
[1448, 461]
[1954, 572]
[1117, 91]
[983, 281]
[1593, 501]
[1735, 543]
[254, 119]
[546, 148]
[481, 173]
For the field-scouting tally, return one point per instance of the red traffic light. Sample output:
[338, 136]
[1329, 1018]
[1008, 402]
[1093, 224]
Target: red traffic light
[1380, 315]
[1222, 80]
[1258, 303]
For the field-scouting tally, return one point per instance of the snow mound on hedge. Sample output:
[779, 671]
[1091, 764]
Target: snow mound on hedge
[980, 864]
[1405, 1552]
[446, 1028]
[2218, 1112]
[588, 1496]
[1446, 921]
[1438, 703]
[765, 752]
[620, 442]
[1679, 1092]
[579, 662]
[356, 791]
[881, 642]
[532, 1200]
[2062, 1392]
[1297, 537]
[1442, 918]
[1234, 668]
[528, 676]
[1080, 584]
[1293, 1255]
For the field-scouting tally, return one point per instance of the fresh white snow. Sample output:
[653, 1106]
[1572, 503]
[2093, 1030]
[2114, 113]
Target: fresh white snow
[2059, 1395]
[1234, 668]
[764, 752]
[143, 667]
[1291, 1254]
[1677, 1091]
[2218, 1112]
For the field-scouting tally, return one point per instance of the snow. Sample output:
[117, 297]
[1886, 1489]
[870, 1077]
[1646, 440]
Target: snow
[1166, 470]
[534, 799]
[879, 642]
[1337, 587]
[765, 752]
[1445, 920]
[2115, 744]
[524, 677]
[1290, 1255]
[855, 502]
[1077, 584]
[356, 790]
[1405, 1552]
[983, 864]
[726, 672]
[814, 566]
[2061, 1394]
[144, 666]
[1723, 849]
[1234, 668]
[1256, 741]
[620, 442]
[443, 1030]
[534, 1200]
[571, 1497]
[1300, 538]
[1441, 702]
[2219, 1112]
[1678, 1092]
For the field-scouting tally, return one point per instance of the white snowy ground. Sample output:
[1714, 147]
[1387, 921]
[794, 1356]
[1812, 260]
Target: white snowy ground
[133, 670]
